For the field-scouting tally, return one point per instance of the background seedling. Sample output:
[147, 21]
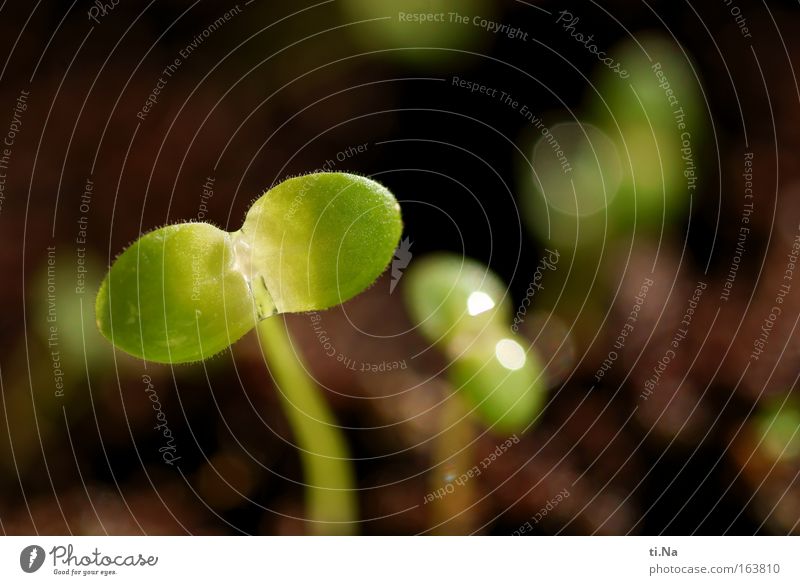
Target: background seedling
[185, 292]
[629, 170]
[657, 118]
[766, 452]
[778, 427]
[462, 307]
[630, 162]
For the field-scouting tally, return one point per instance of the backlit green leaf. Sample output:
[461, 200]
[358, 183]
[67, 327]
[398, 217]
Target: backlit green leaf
[185, 292]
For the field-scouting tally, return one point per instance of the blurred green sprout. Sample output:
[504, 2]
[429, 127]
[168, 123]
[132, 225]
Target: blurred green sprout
[462, 307]
[778, 426]
[630, 162]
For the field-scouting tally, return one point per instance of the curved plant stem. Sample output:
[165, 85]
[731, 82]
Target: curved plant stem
[330, 484]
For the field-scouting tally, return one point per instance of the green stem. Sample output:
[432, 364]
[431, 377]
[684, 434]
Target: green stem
[329, 477]
[454, 514]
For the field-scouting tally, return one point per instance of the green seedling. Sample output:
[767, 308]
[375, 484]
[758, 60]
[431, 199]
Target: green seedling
[657, 118]
[627, 169]
[778, 426]
[462, 307]
[630, 163]
[185, 292]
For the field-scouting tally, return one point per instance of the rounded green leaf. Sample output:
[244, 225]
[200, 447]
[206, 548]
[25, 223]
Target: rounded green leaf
[176, 295]
[448, 295]
[503, 380]
[315, 241]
